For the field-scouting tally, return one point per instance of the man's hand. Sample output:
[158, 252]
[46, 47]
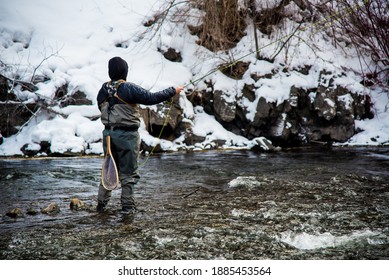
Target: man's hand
[179, 89]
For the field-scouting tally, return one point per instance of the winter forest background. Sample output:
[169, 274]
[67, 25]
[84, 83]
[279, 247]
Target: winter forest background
[258, 74]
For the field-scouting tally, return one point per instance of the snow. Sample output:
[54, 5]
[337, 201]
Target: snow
[207, 126]
[347, 100]
[280, 126]
[374, 131]
[70, 42]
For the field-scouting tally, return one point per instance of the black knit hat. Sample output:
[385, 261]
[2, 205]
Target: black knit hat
[117, 69]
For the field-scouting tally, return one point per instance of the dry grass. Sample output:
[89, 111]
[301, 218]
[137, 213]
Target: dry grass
[222, 26]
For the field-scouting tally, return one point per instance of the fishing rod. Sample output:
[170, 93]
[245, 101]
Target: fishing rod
[325, 22]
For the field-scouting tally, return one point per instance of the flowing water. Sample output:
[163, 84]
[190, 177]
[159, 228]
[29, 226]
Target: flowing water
[301, 204]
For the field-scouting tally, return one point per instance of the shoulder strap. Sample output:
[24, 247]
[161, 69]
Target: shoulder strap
[113, 89]
[117, 84]
[122, 100]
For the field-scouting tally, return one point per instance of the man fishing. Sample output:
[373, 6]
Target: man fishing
[118, 102]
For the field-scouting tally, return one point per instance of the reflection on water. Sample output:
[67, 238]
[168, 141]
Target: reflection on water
[300, 204]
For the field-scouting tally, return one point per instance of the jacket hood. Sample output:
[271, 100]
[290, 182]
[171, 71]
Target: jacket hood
[117, 69]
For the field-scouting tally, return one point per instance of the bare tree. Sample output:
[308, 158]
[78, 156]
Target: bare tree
[366, 23]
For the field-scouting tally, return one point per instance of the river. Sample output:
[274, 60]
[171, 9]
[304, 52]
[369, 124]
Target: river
[295, 204]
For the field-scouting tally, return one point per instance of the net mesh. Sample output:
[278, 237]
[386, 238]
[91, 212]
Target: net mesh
[109, 174]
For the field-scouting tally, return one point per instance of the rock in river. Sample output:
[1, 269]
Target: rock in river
[76, 204]
[51, 209]
[15, 213]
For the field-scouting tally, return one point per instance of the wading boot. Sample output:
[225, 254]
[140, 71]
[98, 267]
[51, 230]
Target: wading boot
[100, 207]
[128, 210]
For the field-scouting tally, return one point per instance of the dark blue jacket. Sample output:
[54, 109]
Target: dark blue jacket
[134, 94]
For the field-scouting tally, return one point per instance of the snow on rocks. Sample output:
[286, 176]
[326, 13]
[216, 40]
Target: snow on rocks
[51, 80]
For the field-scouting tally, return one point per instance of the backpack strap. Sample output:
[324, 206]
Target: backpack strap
[113, 89]
[122, 100]
[117, 83]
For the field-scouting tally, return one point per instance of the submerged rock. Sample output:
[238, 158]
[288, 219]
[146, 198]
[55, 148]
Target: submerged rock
[51, 209]
[31, 211]
[76, 204]
[15, 213]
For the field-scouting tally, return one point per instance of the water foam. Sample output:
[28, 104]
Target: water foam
[305, 241]
[244, 181]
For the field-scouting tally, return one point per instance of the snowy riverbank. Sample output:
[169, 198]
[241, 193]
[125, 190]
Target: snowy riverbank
[69, 43]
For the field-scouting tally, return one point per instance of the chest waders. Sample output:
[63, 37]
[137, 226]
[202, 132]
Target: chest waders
[109, 172]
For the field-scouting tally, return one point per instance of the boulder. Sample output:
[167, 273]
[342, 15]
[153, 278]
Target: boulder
[30, 151]
[235, 70]
[224, 110]
[339, 131]
[325, 106]
[261, 144]
[191, 138]
[262, 113]
[172, 55]
[77, 98]
[13, 116]
[248, 92]
[345, 105]
[154, 120]
[144, 147]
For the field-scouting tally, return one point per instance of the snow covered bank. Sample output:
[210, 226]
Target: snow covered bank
[67, 44]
